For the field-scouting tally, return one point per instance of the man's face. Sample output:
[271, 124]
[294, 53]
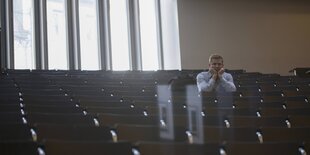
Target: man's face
[216, 64]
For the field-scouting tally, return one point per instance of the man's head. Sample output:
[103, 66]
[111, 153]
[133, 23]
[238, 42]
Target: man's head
[216, 62]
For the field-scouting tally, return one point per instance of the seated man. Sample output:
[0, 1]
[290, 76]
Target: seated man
[215, 79]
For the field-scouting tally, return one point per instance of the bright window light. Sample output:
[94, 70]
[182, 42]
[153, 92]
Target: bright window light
[88, 35]
[57, 34]
[24, 56]
[119, 34]
[148, 26]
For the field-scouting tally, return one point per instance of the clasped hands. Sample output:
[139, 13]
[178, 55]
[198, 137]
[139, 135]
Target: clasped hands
[216, 75]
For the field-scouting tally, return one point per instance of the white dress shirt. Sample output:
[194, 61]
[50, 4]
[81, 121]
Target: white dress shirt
[206, 83]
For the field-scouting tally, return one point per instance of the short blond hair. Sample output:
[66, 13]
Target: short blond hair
[215, 56]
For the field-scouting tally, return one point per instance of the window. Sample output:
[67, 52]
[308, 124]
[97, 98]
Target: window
[88, 34]
[24, 55]
[113, 30]
[148, 27]
[119, 34]
[57, 35]
[170, 34]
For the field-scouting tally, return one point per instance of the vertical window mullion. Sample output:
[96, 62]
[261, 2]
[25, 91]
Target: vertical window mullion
[43, 33]
[3, 36]
[76, 34]
[9, 35]
[134, 32]
[159, 35]
[69, 41]
[40, 35]
[104, 35]
[73, 34]
[37, 34]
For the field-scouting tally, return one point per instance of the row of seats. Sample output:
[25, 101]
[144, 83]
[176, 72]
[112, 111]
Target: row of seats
[151, 112]
[43, 133]
[111, 119]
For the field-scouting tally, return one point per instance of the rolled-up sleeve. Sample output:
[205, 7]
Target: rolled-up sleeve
[204, 83]
[227, 83]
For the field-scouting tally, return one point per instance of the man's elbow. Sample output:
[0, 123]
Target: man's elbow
[232, 89]
[206, 89]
